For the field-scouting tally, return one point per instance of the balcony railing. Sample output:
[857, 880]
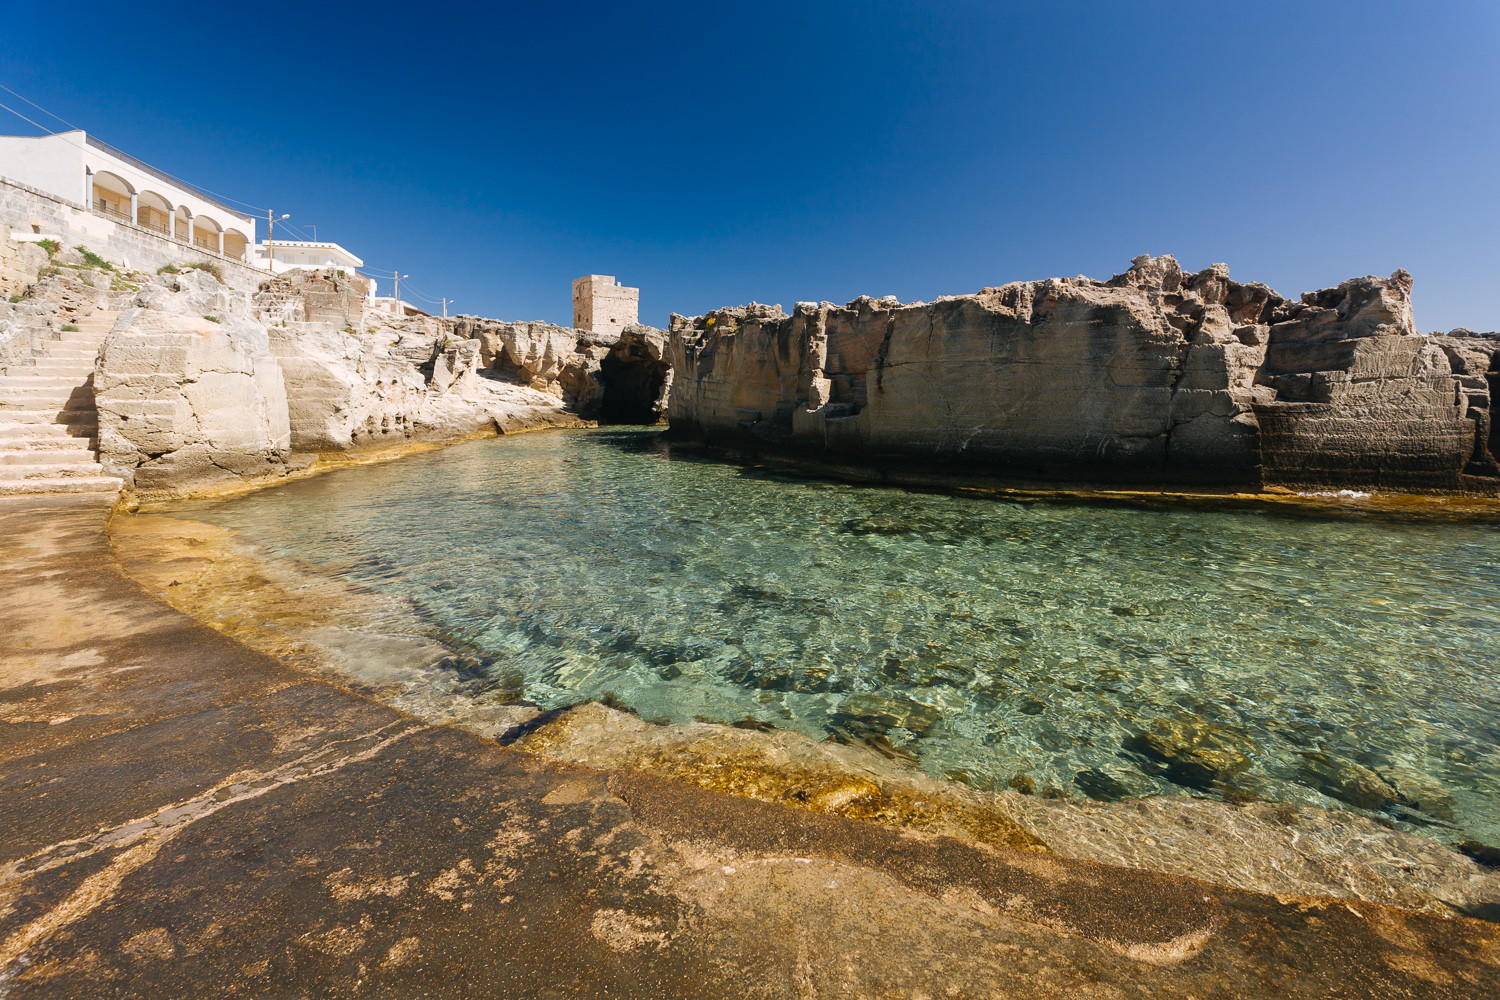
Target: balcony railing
[100, 205]
[211, 246]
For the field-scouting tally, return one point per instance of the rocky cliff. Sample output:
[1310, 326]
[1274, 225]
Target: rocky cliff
[187, 389]
[1155, 376]
[200, 386]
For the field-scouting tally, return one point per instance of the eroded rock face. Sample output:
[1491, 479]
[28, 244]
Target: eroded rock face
[200, 385]
[615, 378]
[414, 378]
[188, 390]
[635, 378]
[1155, 376]
[20, 264]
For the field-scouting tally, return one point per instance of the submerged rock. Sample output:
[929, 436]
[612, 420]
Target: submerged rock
[1193, 752]
[1261, 846]
[1346, 781]
[863, 715]
[1096, 784]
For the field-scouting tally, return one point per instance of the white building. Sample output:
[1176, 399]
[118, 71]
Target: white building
[80, 168]
[279, 256]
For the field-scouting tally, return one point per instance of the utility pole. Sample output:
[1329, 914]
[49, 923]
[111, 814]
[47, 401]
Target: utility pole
[445, 307]
[270, 238]
[397, 275]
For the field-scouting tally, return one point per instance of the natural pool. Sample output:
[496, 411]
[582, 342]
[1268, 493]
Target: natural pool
[1065, 648]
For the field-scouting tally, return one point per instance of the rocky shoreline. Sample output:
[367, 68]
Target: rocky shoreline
[200, 387]
[289, 779]
[379, 647]
[1154, 378]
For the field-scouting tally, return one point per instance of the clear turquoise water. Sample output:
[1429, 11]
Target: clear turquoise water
[985, 639]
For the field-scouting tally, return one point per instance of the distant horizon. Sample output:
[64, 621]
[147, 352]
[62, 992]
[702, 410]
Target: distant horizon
[817, 152]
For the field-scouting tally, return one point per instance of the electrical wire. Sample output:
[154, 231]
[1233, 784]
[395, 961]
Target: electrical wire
[50, 132]
[291, 227]
[43, 110]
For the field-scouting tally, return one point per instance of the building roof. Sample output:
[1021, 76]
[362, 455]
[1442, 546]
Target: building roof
[160, 175]
[334, 249]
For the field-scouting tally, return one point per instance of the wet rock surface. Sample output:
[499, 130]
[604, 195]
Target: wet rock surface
[1193, 752]
[200, 820]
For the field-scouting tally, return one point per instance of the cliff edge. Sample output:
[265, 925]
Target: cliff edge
[1154, 377]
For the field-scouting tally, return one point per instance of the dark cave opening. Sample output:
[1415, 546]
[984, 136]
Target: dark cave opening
[633, 381]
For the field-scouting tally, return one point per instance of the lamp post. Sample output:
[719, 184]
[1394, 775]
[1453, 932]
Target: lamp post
[271, 218]
[398, 276]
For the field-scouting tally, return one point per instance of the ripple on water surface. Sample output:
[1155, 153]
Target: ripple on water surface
[1064, 648]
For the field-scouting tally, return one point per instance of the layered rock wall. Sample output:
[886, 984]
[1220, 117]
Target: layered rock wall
[188, 390]
[1154, 377]
[200, 385]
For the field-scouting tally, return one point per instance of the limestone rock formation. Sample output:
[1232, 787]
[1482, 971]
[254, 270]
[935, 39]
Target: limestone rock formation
[188, 390]
[20, 264]
[558, 360]
[1475, 360]
[1156, 376]
[618, 378]
[200, 385]
[636, 375]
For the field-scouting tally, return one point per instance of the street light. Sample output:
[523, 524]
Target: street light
[271, 218]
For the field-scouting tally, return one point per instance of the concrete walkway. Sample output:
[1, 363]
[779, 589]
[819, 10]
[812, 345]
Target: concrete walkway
[181, 817]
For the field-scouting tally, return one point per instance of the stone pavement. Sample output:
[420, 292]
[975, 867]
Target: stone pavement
[183, 817]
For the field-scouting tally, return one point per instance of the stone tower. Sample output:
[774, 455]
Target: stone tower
[603, 305]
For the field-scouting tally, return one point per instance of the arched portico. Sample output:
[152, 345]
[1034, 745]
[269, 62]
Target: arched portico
[152, 211]
[112, 194]
[235, 243]
[208, 234]
[182, 224]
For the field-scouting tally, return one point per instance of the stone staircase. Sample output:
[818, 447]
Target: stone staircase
[49, 426]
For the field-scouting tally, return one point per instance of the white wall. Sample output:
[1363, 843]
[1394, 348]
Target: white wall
[52, 163]
[46, 214]
[57, 163]
[97, 160]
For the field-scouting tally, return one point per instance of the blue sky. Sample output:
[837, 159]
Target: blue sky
[776, 151]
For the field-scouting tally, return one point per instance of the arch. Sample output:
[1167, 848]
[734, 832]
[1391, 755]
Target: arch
[152, 211]
[182, 224]
[206, 232]
[235, 244]
[111, 194]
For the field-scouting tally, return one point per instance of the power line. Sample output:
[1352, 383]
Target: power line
[289, 226]
[28, 121]
[187, 184]
[43, 110]
[371, 271]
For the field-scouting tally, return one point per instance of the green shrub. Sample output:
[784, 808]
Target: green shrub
[169, 269]
[123, 286]
[16, 298]
[51, 246]
[212, 269]
[69, 328]
[94, 260]
[213, 319]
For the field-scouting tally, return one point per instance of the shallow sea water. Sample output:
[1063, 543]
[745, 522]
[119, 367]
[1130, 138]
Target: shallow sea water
[994, 642]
